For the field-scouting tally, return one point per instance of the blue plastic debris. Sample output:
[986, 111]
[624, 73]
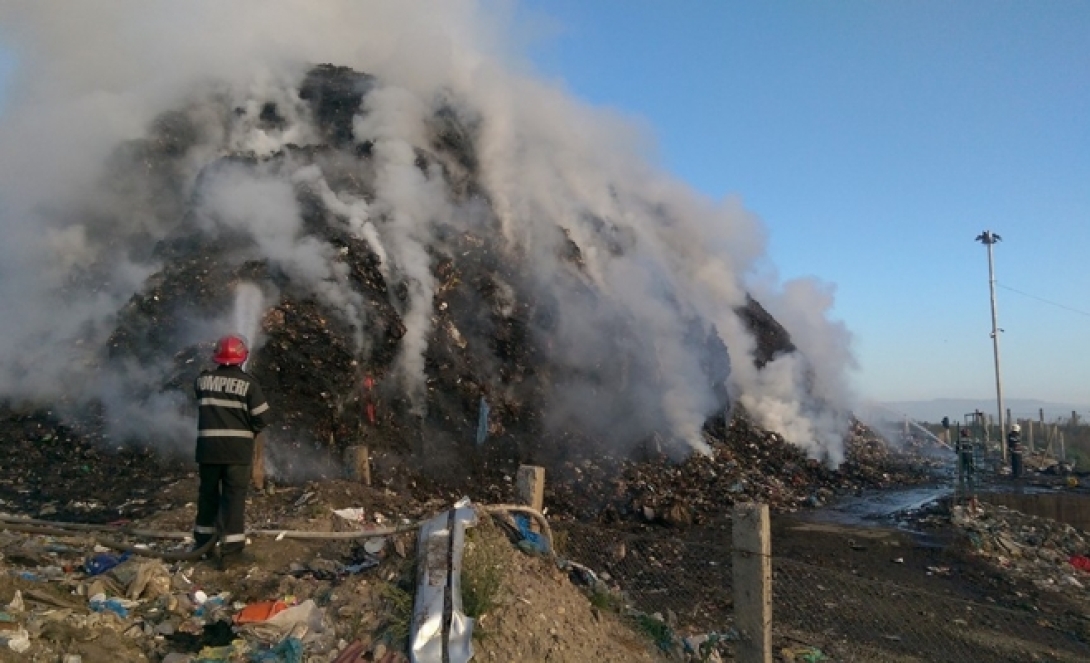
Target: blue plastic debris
[109, 605]
[530, 538]
[103, 562]
[290, 650]
[482, 422]
[208, 606]
[368, 562]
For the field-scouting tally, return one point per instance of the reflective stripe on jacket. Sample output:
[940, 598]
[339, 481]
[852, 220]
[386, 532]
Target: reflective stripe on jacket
[231, 410]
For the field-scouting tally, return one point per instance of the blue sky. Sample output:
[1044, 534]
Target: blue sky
[876, 140]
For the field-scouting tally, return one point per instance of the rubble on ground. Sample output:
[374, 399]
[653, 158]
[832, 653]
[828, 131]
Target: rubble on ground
[745, 464]
[64, 595]
[297, 601]
[1043, 552]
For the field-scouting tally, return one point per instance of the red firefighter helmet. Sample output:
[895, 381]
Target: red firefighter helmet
[231, 350]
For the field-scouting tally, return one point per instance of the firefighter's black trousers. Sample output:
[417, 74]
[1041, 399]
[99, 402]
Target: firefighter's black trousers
[222, 500]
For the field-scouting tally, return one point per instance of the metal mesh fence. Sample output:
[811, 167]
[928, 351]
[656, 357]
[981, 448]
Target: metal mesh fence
[853, 619]
[818, 614]
[687, 582]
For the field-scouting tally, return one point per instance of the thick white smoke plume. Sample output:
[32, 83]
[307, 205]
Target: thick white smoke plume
[246, 315]
[635, 276]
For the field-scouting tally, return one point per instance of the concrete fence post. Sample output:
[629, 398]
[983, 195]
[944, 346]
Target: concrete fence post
[530, 489]
[752, 576]
[358, 461]
[530, 486]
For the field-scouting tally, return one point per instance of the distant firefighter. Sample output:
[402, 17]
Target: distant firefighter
[1014, 446]
[966, 460]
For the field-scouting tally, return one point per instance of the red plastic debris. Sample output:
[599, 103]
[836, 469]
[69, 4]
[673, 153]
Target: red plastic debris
[368, 388]
[1080, 562]
[259, 612]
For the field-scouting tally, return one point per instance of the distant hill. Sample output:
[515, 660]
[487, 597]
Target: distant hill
[955, 408]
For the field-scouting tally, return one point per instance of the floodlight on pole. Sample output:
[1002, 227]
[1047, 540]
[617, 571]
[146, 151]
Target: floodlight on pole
[988, 238]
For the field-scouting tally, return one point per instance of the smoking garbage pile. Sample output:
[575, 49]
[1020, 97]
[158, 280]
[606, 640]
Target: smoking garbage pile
[391, 302]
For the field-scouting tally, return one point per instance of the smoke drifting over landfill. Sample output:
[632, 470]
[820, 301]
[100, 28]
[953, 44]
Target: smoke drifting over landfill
[131, 128]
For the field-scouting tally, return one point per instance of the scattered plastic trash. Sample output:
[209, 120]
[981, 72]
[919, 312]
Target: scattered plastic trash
[290, 650]
[354, 515]
[804, 655]
[103, 562]
[307, 616]
[1080, 562]
[706, 643]
[353, 653]
[16, 604]
[152, 580]
[375, 546]
[368, 562]
[208, 606]
[27, 575]
[99, 603]
[225, 653]
[259, 612]
[530, 539]
[18, 641]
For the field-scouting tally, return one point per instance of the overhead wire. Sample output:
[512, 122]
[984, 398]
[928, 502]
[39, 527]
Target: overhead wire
[1043, 300]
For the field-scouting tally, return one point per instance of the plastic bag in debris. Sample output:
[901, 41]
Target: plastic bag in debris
[99, 603]
[210, 605]
[708, 642]
[307, 615]
[290, 650]
[803, 655]
[228, 653]
[530, 539]
[1080, 562]
[368, 562]
[152, 580]
[354, 514]
[103, 562]
[17, 604]
[260, 612]
[17, 641]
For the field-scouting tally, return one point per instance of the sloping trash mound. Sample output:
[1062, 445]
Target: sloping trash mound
[492, 390]
[453, 364]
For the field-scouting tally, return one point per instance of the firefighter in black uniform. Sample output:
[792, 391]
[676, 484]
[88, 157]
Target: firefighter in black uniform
[1014, 447]
[966, 461]
[231, 413]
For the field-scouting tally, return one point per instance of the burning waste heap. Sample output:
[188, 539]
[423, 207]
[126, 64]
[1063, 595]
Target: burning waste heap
[357, 238]
[390, 302]
[462, 273]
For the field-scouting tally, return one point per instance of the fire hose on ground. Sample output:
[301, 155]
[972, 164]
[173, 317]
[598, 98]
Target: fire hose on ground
[98, 532]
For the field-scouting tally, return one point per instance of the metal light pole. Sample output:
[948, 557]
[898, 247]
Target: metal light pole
[988, 238]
